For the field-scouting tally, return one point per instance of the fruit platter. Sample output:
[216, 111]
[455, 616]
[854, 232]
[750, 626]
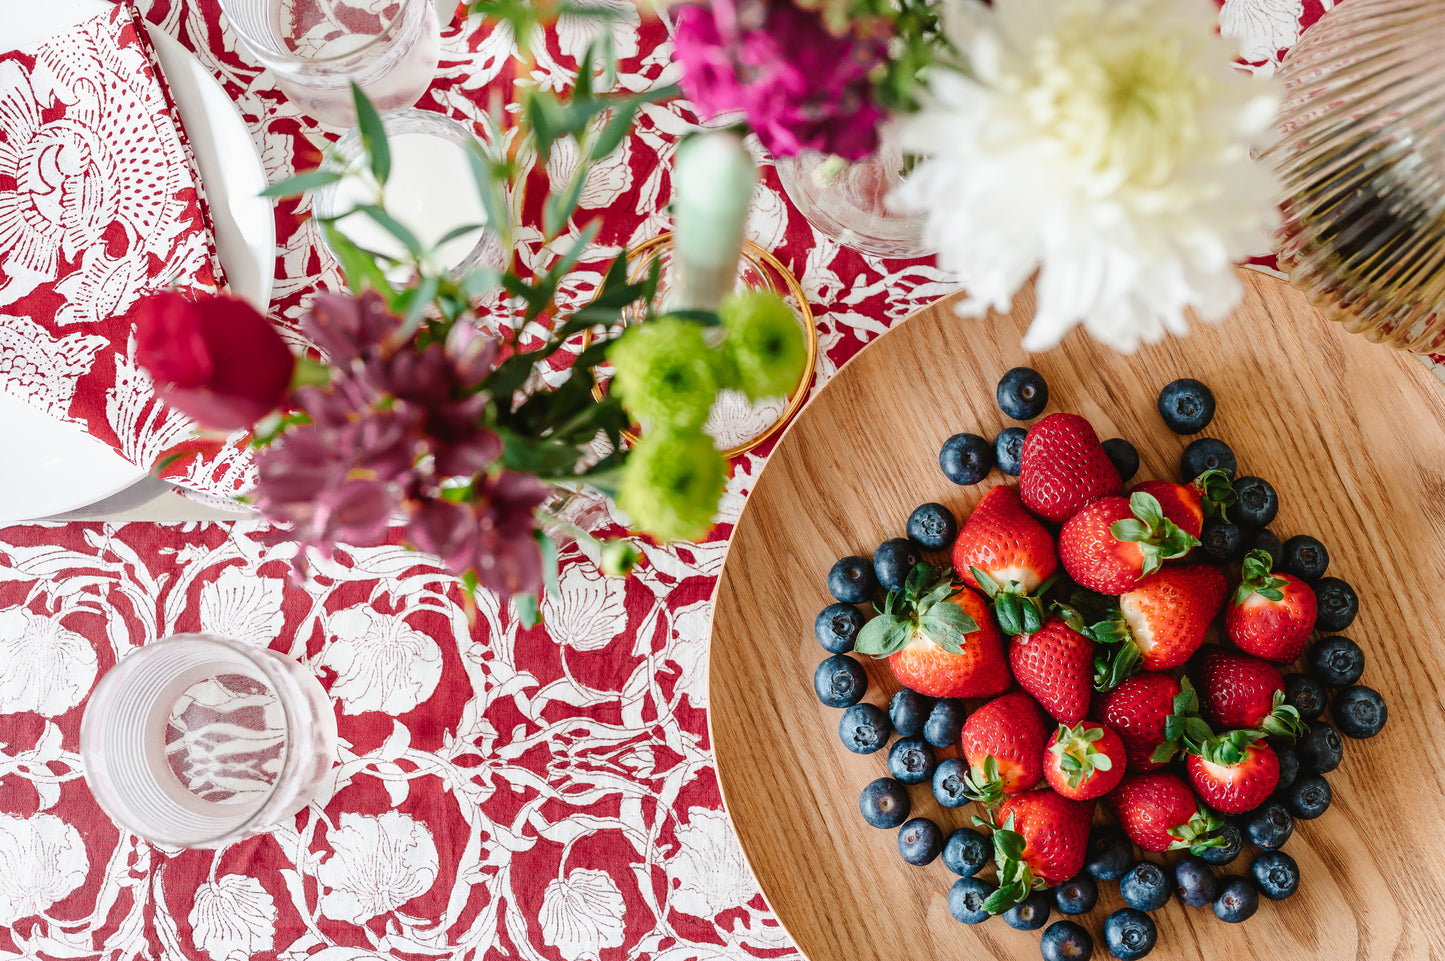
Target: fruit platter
[1086, 655]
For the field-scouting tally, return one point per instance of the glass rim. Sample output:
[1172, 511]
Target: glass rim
[263, 49]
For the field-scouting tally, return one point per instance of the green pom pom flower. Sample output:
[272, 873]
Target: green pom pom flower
[666, 374]
[764, 343]
[672, 483]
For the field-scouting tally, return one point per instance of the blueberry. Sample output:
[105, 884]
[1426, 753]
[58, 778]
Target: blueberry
[840, 681]
[1337, 661]
[864, 728]
[1321, 749]
[1305, 558]
[1129, 934]
[1288, 764]
[911, 760]
[1145, 887]
[1123, 456]
[908, 709]
[1257, 504]
[920, 840]
[966, 852]
[1023, 393]
[1338, 604]
[1309, 797]
[1359, 711]
[884, 803]
[1221, 541]
[836, 627]
[1078, 895]
[1008, 450]
[1269, 826]
[851, 580]
[1276, 874]
[1265, 540]
[949, 783]
[1110, 854]
[932, 527]
[966, 458]
[1222, 854]
[945, 722]
[1237, 901]
[1305, 694]
[1187, 407]
[892, 562]
[1195, 884]
[1206, 454]
[1031, 913]
[966, 897]
[1066, 941]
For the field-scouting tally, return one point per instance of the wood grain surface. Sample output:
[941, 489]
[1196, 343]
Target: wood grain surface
[1351, 434]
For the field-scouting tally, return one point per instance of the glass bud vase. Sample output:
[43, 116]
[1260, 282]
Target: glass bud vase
[1361, 153]
[846, 201]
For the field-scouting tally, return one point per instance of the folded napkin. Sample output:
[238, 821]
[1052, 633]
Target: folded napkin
[100, 203]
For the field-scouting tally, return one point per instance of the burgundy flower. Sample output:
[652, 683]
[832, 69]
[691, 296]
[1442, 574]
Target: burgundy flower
[347, 328]
[491, 535]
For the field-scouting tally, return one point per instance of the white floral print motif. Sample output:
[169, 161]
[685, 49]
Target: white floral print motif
[381, 663]
[379, 864]
[44, 667]
[708, 870]
[242, 606]
[582, 914]
[233, 918]
[587, 612]
[42, 860]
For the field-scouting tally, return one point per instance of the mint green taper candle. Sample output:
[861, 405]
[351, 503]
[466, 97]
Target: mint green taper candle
[713, 180]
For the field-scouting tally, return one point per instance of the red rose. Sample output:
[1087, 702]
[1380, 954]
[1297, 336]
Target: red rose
[214, 358]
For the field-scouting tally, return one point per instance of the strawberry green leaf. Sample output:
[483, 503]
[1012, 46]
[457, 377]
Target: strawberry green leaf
[1283, 720]
[884, 635]
[1113, 629]
[987, 584]
[1216, 493]
[1033, 614]
[946, 625]
[1257, 571]
[1198, 833]
[1070, 616]
[1113, 668]
[1015, 878]
[1146, 507]
[1130, 530]
[919, 580]
[982, 784]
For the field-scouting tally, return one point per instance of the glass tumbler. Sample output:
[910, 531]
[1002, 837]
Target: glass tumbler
[848, 201]
[316, 48]
[197, 741]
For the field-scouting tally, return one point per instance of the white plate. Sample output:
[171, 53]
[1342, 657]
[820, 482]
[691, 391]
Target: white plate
[50, 467]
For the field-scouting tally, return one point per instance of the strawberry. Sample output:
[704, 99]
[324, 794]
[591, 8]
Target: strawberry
[1239, 691]
[1114, 541]
[1161, 623]
[939, 638]
[1160, 813]
[1187, 505]
[1085, 761]
[1064, 467]
[1005, 552]
[1056, 665]
[1138, 711]
[1003, 743]
[1271, 615]
[1039, 841]
[1234, 773]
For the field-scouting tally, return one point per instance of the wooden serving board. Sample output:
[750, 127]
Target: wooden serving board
[1352, 436]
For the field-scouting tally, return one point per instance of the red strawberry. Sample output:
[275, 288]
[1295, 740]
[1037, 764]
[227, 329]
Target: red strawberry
[1271, 615]
[1160, 813]
[1114, 541]
[1003, 743]
[1161, 623]
[1232, 778]
[1064, 467]
[1138, 710]
[1239, 691]
[1056, 665]
[1005, 552]
[1085, 761]
[1041, 840]
[1187, 505]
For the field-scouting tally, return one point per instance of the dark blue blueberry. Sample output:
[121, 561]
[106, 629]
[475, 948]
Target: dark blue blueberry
[950, 786]
[966, 897]
[1305, 694]
[1337, 602]
[1276, 874]
[1023, 393]
[1288, 764]
[1031, 913]
[908, 709]
[1194, 882]
[1305, 558]
[1257, 504]
[1359, 711]
[1337, 661]
[966, 458]
[1265, 540]
[1110, 854]
[1204, 454]
[945, 722]
[1066, 941]
[911, 760]
[1123, 456]
[1237, 901]
[892, 561]
[1078, 895]
[932, 527]
[836, 627]
[1321, 749]
[1224, 853]
[851, 580]
[864, 728]
[1008, 450]
[966, 852]
[1187, 407]
[1146, 887]
[1129, 934]
[920, 840]
[1221, 541]
[1308, 797]
[840, 681]
[1269, 826]
[884, 803]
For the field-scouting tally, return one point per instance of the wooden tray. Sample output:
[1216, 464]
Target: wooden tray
[1351, 435]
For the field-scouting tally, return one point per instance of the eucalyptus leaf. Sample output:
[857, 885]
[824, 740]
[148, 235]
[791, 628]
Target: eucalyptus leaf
[394, 227]
[359, 267]
[528, 611]
[373, 135]
[549, 562]
[302, 182]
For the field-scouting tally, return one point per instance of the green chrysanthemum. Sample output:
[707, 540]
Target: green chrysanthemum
[672, 483]
[666, 374]
[764, 342]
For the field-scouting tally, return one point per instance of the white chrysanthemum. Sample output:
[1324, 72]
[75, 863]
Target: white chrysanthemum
[1103, 143]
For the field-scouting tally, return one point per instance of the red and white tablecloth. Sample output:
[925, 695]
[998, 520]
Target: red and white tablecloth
[502, 793]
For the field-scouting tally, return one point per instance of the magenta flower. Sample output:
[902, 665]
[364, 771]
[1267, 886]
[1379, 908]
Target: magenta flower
[492, 534]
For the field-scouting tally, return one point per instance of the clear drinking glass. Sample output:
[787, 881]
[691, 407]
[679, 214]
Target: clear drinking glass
[847, 201]
[316, 48]
[197, 741]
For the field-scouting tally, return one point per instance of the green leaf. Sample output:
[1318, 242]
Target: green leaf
[1032, 610]
[986, 583]
[422, 297]
[394, 227]
[549, 562]
[491, 190]
[1146, 507]
[948, 626]
[456, 232]
[360, 269]
[529, 613]
[567, 261]
[560, 206]
[373, 135]
[1129, 530]
[1007, 608]
[883, 636]
[1123, 663]
[302, 182]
